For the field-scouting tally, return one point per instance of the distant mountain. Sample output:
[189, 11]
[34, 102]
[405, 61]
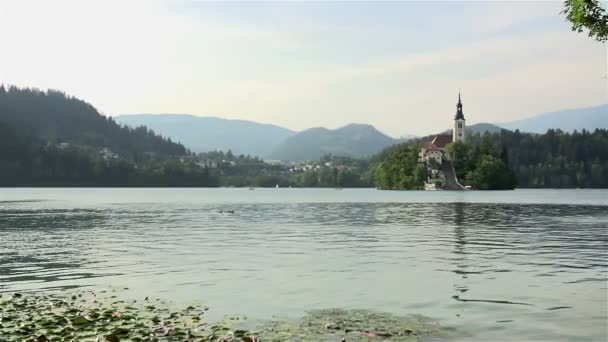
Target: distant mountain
[482, 128]
[354, 140]
[566, 120]
[203, 134]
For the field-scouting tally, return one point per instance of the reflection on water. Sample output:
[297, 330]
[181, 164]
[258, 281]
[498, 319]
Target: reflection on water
[499, 270]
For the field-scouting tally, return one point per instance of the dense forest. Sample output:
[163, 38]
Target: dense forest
[50, 139]
[556, 159]
[54, 117]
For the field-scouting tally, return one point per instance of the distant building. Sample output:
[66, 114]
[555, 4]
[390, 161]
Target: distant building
[435, 149]
[63, 145]
[107, 154]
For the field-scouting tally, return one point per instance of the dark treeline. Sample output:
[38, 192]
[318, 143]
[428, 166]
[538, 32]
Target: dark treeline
[556, 159]
[329, 171]
[27, 161]
[50, 139]
[56, 118]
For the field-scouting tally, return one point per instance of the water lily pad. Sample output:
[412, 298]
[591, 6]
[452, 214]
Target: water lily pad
[100, 317]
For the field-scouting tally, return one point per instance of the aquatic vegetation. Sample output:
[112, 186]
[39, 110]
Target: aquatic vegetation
[352, 326]
[89, 316]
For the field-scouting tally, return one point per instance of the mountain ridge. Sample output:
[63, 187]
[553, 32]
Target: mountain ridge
[588, 118]
[209, 133]
[351, 140]
[265, 139]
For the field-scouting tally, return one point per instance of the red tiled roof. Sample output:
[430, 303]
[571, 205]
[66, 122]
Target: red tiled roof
[442, 140]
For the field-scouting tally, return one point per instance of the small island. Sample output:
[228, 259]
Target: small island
[448, 162]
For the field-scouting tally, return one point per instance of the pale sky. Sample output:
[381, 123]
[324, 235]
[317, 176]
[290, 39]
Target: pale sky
[396, 65]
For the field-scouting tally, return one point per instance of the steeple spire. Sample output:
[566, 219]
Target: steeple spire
[459, 131]
[459, 114]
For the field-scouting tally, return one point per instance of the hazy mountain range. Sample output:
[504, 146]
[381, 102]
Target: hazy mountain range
[201, 134]
[354, 140]
[567, 120]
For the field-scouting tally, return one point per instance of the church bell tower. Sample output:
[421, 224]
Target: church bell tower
[459, 123]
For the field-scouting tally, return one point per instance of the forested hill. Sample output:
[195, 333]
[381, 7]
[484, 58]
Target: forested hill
[50, 139]
[54, 117]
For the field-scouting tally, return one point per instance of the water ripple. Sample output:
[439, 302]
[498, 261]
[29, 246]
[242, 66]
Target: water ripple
[516, 263]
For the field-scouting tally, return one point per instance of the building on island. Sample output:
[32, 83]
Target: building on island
[437, 160]
[435, 149]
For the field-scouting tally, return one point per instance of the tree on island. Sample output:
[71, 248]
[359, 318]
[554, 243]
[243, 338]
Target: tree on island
[482, 165]
[401, 170]
[491, 173]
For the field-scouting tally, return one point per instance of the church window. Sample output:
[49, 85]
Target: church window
[460, 125]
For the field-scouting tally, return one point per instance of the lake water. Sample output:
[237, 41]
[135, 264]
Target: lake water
[515, 265]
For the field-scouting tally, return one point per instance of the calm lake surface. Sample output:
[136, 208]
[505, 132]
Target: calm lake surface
[515, 265]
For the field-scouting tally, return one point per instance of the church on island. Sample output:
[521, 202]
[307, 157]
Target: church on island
[434, 154]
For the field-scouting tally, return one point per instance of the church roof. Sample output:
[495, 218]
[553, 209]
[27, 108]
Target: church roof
[442, 140]
[429, 146]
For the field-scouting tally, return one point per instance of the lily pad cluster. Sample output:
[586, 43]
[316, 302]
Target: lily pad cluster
[104, 317]
[89, 316]
[352, 326]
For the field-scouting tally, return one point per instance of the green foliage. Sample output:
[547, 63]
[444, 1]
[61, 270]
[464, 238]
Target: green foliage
[587, 14]
[463, 156]
[477, 163]
[401, 170]
[332, 171]
[329, 171]
[491, 173]
[556, 159]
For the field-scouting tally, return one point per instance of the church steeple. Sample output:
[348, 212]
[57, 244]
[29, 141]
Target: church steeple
[459, 114]
[458, 133]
